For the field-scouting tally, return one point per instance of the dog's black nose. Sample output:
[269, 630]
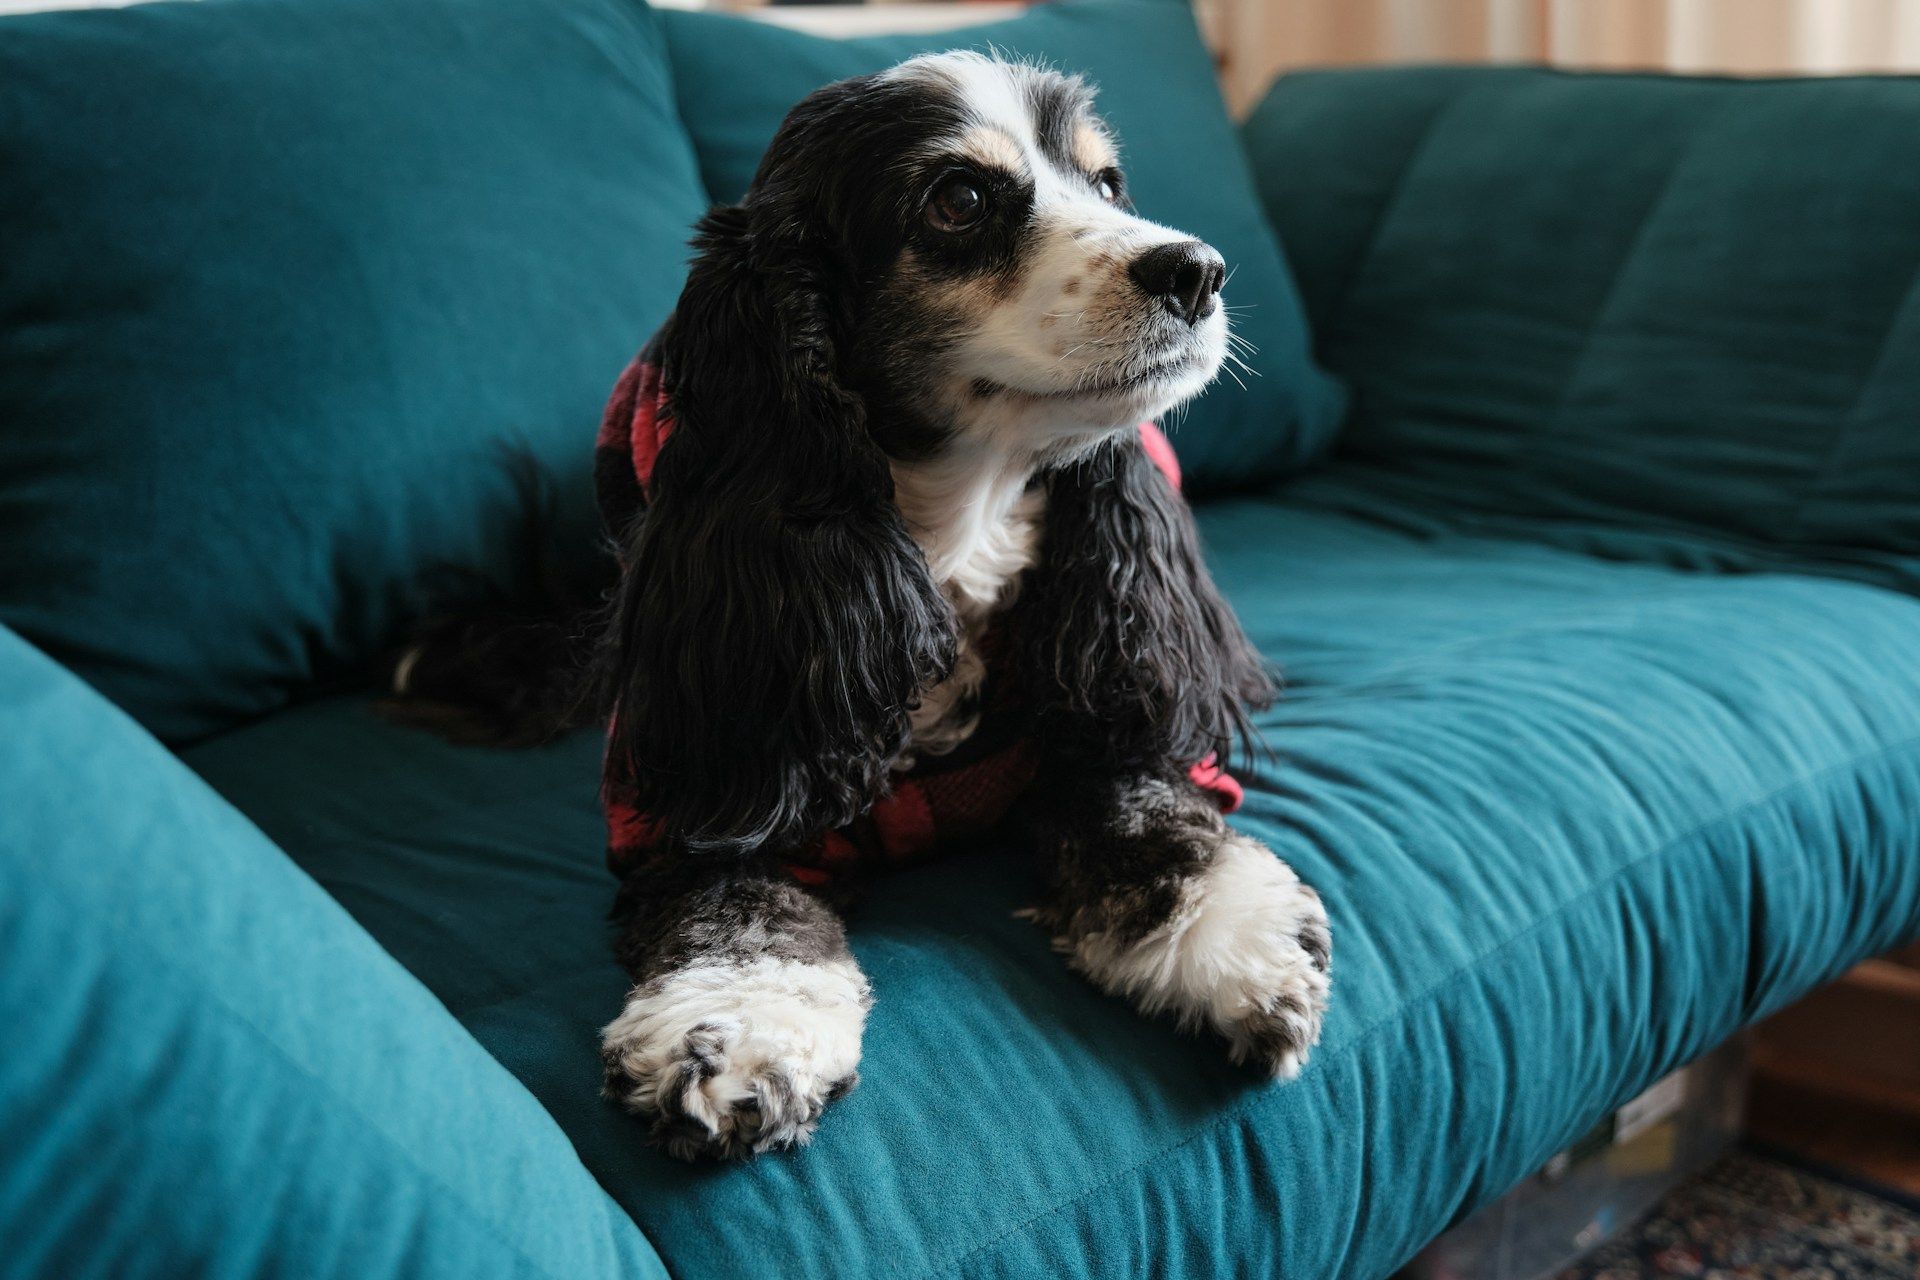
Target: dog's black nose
[1186, 276]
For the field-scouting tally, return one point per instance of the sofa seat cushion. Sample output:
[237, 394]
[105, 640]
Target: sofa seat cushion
[1575, 821]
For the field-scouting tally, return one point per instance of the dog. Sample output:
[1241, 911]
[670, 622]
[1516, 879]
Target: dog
[887, 517]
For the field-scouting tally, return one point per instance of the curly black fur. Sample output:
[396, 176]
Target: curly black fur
[776, 622]
[1131, 659]
[510, 665]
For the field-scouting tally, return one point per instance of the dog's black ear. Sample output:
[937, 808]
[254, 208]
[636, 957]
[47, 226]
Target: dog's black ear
[775, 621]
[1126, 648]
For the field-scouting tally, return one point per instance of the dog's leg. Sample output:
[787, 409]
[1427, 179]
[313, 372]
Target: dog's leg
[1153, 897]
[745, 1016]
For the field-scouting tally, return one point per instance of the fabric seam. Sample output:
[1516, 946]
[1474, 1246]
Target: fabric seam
[1823, 477]
[1370, 245]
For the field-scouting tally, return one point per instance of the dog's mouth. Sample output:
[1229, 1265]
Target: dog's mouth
[1101, 384]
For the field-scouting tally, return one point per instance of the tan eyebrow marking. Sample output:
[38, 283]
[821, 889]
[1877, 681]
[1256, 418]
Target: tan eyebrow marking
[1092, 148]
[994, 146]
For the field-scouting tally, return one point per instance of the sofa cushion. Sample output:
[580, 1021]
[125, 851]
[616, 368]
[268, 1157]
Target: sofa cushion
[1630, 299]
[736, 79]
[1575, 822]
[210, 1070]
[299, 297]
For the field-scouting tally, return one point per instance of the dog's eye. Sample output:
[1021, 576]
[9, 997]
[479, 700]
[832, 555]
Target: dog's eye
[1107, 184]
[956, 205]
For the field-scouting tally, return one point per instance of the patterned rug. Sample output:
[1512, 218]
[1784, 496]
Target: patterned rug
[1752, 1218]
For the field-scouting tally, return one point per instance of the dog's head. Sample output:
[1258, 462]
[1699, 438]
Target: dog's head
[989, 276]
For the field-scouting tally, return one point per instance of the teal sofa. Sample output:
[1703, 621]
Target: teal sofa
[1579, 505]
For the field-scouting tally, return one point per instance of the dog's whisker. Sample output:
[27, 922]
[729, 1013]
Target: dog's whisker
[1235, 362]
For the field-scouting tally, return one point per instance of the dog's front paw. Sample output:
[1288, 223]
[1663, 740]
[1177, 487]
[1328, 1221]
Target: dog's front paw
[728, 1059]
[1246, 952]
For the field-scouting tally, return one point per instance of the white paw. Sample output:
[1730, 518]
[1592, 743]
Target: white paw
[732, 1058]
[1245, 952]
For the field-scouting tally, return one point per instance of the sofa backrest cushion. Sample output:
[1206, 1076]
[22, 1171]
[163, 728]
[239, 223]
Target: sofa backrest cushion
[737, 77]
[295, 296]
[1662, 300]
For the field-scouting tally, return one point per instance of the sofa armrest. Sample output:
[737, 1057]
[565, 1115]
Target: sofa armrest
[209, 1069]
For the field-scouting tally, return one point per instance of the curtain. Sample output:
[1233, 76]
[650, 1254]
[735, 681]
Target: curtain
[1259, 38]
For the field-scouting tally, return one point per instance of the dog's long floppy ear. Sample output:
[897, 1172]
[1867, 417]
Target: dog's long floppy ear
[775, 621]
[1125, 645]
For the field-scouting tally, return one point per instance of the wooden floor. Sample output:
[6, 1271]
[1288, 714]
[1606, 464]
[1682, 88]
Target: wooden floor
[1837, 1076]
[1865, 1141]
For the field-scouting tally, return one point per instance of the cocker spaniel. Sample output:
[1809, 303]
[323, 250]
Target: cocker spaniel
[899, 562]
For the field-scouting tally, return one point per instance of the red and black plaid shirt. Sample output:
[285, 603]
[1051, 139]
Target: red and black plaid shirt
[941, 798]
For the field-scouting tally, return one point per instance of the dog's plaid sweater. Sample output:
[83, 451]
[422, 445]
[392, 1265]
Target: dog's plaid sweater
[941, 798]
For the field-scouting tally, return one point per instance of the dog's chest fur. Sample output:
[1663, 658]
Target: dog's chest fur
[979, 523]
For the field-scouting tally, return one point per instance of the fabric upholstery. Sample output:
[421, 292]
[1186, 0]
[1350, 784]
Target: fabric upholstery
[1184, 168]
[1575, 822]
[210, 1070]
[1592, 758]
[300, 299]
[1625, 300]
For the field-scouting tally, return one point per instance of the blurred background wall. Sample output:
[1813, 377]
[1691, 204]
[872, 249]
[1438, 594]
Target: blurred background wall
[1258, 38]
